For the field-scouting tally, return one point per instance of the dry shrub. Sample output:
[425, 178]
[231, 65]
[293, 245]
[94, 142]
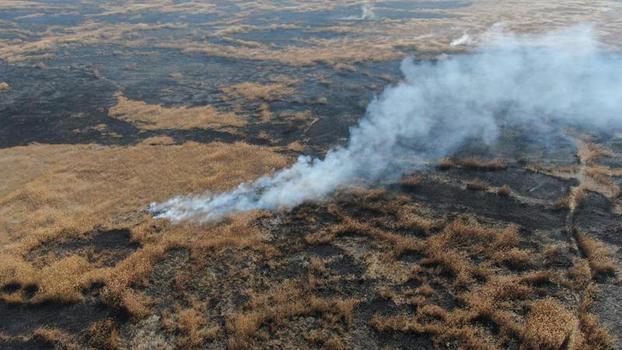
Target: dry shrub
[153, 117]
[550, 325]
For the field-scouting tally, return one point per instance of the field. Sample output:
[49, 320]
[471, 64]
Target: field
[109, 106]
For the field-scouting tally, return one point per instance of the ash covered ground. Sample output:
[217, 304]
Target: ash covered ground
[106, 107]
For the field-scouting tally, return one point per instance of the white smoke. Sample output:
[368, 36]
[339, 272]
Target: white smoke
[562, 76]
[464, 40]
[367, 12]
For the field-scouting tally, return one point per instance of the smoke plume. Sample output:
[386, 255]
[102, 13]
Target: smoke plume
[562, 77]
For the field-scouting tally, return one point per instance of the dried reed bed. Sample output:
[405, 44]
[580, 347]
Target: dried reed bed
[153, 117]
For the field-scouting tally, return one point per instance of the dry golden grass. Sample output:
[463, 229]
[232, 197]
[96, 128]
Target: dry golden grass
[153, 117]
[4, 86]
[252, 91]
[588, 151]
[504, 191]
[280, 304]
[63, 191]
[595, 336]
[192, 324]
[59, 338]
[158, 140]
[104, 335]
[380, 39]
[598, 254]
[476, 185]
[551, 326]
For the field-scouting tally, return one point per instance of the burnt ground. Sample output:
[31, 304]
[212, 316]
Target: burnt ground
[452, 257]
[347, 248]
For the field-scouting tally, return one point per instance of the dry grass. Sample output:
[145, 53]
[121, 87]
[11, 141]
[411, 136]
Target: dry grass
[252, 91]
[588, 151]
[504, 191]
[59, 338]
[192, 324]
[595, 336]
[158, 141]
[280, 304]
[476, 185]
[358, 41]
[104, 335]
[69, 190]
[551, 326]
[153, 117]
[4, 86]
[598, 254]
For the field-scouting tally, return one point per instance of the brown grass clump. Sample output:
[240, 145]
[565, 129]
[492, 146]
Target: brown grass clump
[411, 181]
[252, 91]
[158, 141]
[192, 324]
[595, 336]
[4, 86]
[504, 191]
[280, 304]
[62, 281]
[476, 185]
[153, 117]
[472, 163]
[515, 258]
[104, 334]
[550, 325]
[59, 338]
[598, 254]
